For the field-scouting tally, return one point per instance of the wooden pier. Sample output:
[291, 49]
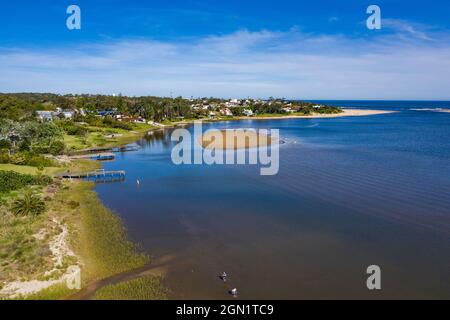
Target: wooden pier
[97, 174]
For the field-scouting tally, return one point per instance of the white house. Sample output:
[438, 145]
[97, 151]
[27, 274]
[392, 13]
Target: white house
[68, 114]
[44, 115]
[317, 107]
[288, 110]
[247, 112]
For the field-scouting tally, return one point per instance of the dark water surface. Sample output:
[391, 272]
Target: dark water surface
[351, 192]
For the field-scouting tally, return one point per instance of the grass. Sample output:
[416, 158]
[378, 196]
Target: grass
[145, 288]
[29, 170]
[98, 137]
[22, 256]
[101, 240]
[55, 292]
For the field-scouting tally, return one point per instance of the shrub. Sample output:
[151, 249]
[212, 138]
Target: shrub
[29, 204]
[10, 180]
[5, 144]
[72, 129]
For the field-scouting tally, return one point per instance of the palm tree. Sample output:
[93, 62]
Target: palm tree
[29, 204]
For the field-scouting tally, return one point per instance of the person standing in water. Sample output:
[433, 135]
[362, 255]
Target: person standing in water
[224, 276]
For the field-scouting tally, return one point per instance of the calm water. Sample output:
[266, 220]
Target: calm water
[351, 192]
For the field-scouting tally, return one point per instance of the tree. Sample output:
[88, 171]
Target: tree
[29, 204]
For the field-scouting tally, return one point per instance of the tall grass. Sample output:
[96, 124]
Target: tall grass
[102, 242]
[145, 288]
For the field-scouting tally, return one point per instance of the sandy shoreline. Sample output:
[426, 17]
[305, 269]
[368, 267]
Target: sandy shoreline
[237, 139]
[345, 113]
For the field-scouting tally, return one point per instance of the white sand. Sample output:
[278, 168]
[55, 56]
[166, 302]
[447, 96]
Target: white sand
[217, 139]
[345, 113]
[60, 249]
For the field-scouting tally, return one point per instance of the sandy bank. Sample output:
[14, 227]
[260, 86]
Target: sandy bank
[345, 113]
[233, 139]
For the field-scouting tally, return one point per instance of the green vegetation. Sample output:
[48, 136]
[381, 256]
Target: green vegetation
[23, 256]
[49, 171]
[100, 137]
[29, 204]
[145, 288]
[101, 239]
[10, 181]
[55, 292]
[32, 136]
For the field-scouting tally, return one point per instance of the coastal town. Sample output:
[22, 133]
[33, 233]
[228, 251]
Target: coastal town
[137, 109]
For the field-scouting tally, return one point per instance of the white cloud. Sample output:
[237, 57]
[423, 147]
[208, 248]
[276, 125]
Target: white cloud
[400, 65]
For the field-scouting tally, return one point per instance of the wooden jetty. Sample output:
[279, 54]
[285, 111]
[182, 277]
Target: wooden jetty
[97, 174]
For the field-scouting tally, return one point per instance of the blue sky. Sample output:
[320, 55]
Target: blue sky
[295, 49]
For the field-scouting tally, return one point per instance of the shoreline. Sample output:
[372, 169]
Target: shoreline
[345, 113]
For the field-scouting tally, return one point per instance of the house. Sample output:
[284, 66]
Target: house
[288, 110]
[68, 114]
[317, 107]
[139, 120]
[108, 112]
[212, 114]
[45, 115]
[226, 112]
[247, 112]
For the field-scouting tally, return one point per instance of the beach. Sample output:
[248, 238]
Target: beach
[237, 139]
[344, 113]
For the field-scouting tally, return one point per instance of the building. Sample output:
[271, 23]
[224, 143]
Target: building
[226, 112]
[288, 110]
[68, 114]
[45, 115]
[247, 112]
[105, 113]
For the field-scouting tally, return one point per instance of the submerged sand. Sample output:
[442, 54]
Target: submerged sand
[235, 139]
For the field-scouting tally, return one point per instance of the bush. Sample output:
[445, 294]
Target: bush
[5, 144]
[57, 147]
[26, 159]
[72, 129]
[29, 204]
[113, 123]
[10, 180]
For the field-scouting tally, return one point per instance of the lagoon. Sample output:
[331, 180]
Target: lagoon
[350, 192]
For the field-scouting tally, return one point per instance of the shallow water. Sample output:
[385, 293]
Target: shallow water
[351, 192]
